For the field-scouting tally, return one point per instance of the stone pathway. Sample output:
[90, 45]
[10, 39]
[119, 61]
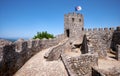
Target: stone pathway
[108, 64]
[38, 66]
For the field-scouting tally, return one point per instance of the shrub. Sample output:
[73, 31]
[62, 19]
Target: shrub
[42, 35]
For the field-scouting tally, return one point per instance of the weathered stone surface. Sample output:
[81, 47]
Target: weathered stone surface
[38, 66]
[14, 55]
[115, 39]
[84, 46]
[111, 72]
[9, 58]
[1, 53]
[102, 53]
[99, 41]
[114, 71]
[118, 52]
[73, 25]
[4, 42]
[20, 45]
[22, 50]
[55, 52]
[79, 66]
[60, 37]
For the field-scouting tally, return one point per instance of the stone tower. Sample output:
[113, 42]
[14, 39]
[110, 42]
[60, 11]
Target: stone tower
[73, 25]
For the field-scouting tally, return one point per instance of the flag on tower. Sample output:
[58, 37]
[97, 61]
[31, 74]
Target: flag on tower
[78, 8]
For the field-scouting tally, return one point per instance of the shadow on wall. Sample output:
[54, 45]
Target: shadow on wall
[115, 39]
[84, 46]
[7, 65]
[95, 73]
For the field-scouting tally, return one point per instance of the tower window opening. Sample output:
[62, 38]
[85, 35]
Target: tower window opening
[79, 20]
[82, 29]
[73, 19]
[68, 32]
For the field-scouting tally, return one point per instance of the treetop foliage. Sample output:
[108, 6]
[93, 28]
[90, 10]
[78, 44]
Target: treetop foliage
[44, 34]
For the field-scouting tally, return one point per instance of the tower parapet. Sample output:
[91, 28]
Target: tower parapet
[100, 29]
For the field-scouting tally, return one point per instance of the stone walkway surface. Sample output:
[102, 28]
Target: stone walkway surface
[38, 66]
[108, 64]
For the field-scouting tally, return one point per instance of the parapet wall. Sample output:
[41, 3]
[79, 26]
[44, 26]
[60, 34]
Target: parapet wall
[60, 37]
[14, 55]
[81, 65]
[55, 52]
[98, 29]
[99, 40]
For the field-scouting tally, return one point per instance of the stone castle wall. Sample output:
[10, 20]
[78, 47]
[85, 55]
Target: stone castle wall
[60, 37]
[14, 55]
[99, 40]
[80, 65]
[115, 38]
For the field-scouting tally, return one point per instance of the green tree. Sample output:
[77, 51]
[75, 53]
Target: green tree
[42, 35]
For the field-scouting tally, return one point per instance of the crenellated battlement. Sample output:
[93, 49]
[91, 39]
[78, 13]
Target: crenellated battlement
[34, 43]
[100, 29]
[21, 50]
[73, 15]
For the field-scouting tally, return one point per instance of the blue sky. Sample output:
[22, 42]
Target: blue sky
[24, 18]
